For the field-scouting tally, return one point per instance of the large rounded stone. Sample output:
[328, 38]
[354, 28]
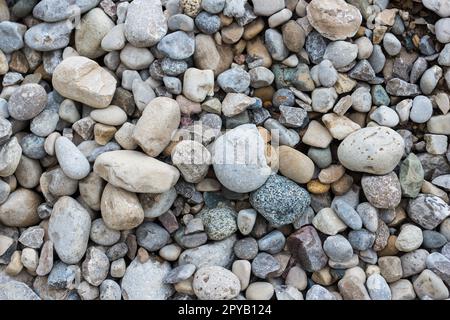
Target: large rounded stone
[69, 229]
[238, 159]
[375, 150]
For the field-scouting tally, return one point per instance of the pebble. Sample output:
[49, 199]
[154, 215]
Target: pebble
[347, 214]
[68, 229]
[272, 242]
[337, 248]
[374, 154]
[411, 176]
[151, 236]
[430, 78]
[198, 84]
[246, 220]
[259, 291]
[433, 239]
[117, 168]
[275, 45]
[207, 23]
[145, 24]
[428, 284]
[110, 290]
[328, 222]
[421, 110]
[219, 253]
[340, 53]
[246, 248]
[12, 33]
[295, 165]
[391, 44]
[219, 223]
[335, 20]
[192, 159]
[378, 288]
[83, 80]
[177, 45]
[382, 192]
[103, 235]
[390, 268]
[306, 247]
[264, 264]
[235, 80]
[121, 209]
[20, 208]
[428, 211]
[145, 280]
[72, 161]
[215, 283]
[27, 101]
[230, 168]
[385, 116]
[95, 267]
[409, 239]
[272, 200]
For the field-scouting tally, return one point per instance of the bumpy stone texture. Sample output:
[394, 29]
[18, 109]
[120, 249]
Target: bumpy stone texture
[375, 150]
[145, 23]
[306, 247]
[275, 200]
[382, 191]
[68, 229]
[427, 210]
[144, 280]
[334, 19]
[83, 80]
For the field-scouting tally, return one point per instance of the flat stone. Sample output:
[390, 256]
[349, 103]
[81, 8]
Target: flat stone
[126, 168]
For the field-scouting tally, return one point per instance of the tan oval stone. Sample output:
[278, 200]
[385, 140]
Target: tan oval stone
[295, 165]
[121, 210]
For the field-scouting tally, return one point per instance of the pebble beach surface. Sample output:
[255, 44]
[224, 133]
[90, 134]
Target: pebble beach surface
[224, 149]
